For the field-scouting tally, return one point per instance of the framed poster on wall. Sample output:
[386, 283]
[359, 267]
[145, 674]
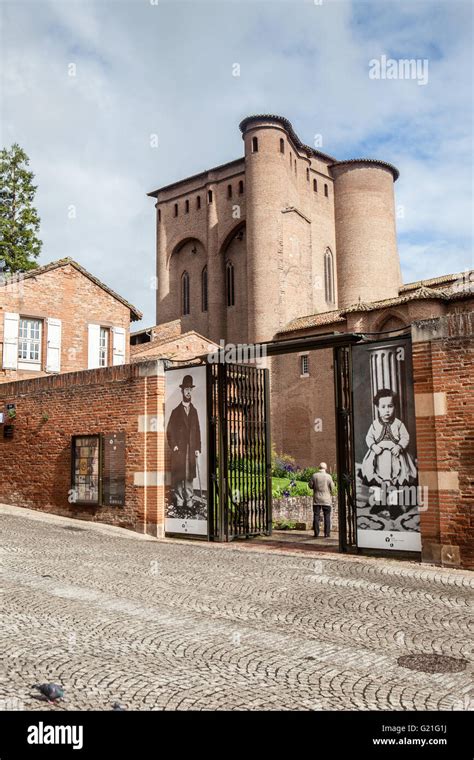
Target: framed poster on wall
[186, 498]
[386, 473]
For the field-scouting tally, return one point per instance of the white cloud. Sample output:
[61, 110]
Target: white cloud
[167, 69]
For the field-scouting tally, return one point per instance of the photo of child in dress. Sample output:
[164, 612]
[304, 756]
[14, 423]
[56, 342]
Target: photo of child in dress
[387, 461]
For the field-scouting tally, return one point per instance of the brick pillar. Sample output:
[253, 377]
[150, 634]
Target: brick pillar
[442, 372]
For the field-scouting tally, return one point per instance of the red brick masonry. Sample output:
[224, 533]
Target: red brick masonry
[35, 465]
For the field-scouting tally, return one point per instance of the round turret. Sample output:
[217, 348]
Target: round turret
[368, 265]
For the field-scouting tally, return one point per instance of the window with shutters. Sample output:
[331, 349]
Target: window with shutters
[29, 340]
[104, 347]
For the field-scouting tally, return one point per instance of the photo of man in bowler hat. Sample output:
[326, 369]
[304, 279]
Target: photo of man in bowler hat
[184, 439]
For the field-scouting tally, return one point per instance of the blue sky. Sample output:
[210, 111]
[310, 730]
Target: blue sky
[166, 69]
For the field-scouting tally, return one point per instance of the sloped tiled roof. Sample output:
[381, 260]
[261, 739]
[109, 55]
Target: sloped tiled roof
[420, 293]
[32, 273]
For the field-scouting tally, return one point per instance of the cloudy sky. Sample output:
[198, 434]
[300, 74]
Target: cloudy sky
[165, 67]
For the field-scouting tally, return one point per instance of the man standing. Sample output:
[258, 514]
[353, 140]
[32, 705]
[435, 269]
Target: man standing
[323, 489]
[184, 439]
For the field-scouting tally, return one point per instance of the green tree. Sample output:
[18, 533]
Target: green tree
[19, 220]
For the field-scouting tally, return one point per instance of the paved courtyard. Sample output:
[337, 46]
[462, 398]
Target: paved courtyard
[184, 626]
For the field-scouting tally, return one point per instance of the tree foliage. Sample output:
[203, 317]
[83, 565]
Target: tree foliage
[19, 221]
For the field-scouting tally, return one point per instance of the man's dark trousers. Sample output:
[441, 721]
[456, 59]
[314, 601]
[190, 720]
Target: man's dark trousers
[327, 519]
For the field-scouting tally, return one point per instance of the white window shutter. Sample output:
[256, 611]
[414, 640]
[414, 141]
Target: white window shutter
[10, 340]
[53, 348]
[93, 346]
[119, 336]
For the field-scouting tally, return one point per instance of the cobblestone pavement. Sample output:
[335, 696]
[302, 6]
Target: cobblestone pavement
[163, 625]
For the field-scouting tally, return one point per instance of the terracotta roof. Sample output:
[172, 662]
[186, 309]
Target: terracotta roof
[421, 293]
[145, 350]
[374, 161]
[287, 125]
[445, 278]
[32, 273]
[313, 320]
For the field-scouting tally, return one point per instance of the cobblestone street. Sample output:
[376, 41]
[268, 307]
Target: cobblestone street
[154, 625]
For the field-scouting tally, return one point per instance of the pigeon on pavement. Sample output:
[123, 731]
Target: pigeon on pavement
[52, 691]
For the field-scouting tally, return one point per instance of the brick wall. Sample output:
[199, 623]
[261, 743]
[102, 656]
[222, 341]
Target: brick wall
[35, 465]
[443, 378]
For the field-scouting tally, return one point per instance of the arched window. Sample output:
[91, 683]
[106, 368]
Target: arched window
[307, 174]
[282, 145]
[329, 277]
[209, 196]
[326, 191]
[315, 185]
[159, 215]
[254, 144]
[176, 209]
[198, 202]
[229, 191]
[185, 293]
[186, 207]
[230, 284]
[204, 289]
[241, 187]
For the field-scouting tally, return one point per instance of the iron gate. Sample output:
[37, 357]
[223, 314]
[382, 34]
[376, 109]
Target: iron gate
[345, 448]
[239, 447]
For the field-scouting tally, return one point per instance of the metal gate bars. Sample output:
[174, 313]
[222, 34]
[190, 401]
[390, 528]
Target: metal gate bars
[345, 448]
[239, 447]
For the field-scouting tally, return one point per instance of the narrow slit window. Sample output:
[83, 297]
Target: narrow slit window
[185, 293]
[304, 364]
[230, 284]
[204, 289]
[254, 144]
[315, 185]
[209, 196]
[241, 187]
[186, 207]
[198, 202]
[176, 209]
[282, 145]
[229, 191]
[326, 191]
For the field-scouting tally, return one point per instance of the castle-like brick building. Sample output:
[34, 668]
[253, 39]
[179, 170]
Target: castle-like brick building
[245, 248]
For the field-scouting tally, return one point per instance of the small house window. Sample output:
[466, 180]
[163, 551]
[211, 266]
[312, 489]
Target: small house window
[241, 187]
[229, 191]
[204, 289]
[209, 196]
[254, 144]
[198, 202]
[29, 340]
[185, 293]
[104, 347]
[186, 207]
[304, 364]
[315, 185]
[282, 145]
[230, 284]
[176, 209]
[326, 191]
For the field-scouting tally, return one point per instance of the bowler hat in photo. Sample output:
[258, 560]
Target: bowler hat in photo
[187, 382]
